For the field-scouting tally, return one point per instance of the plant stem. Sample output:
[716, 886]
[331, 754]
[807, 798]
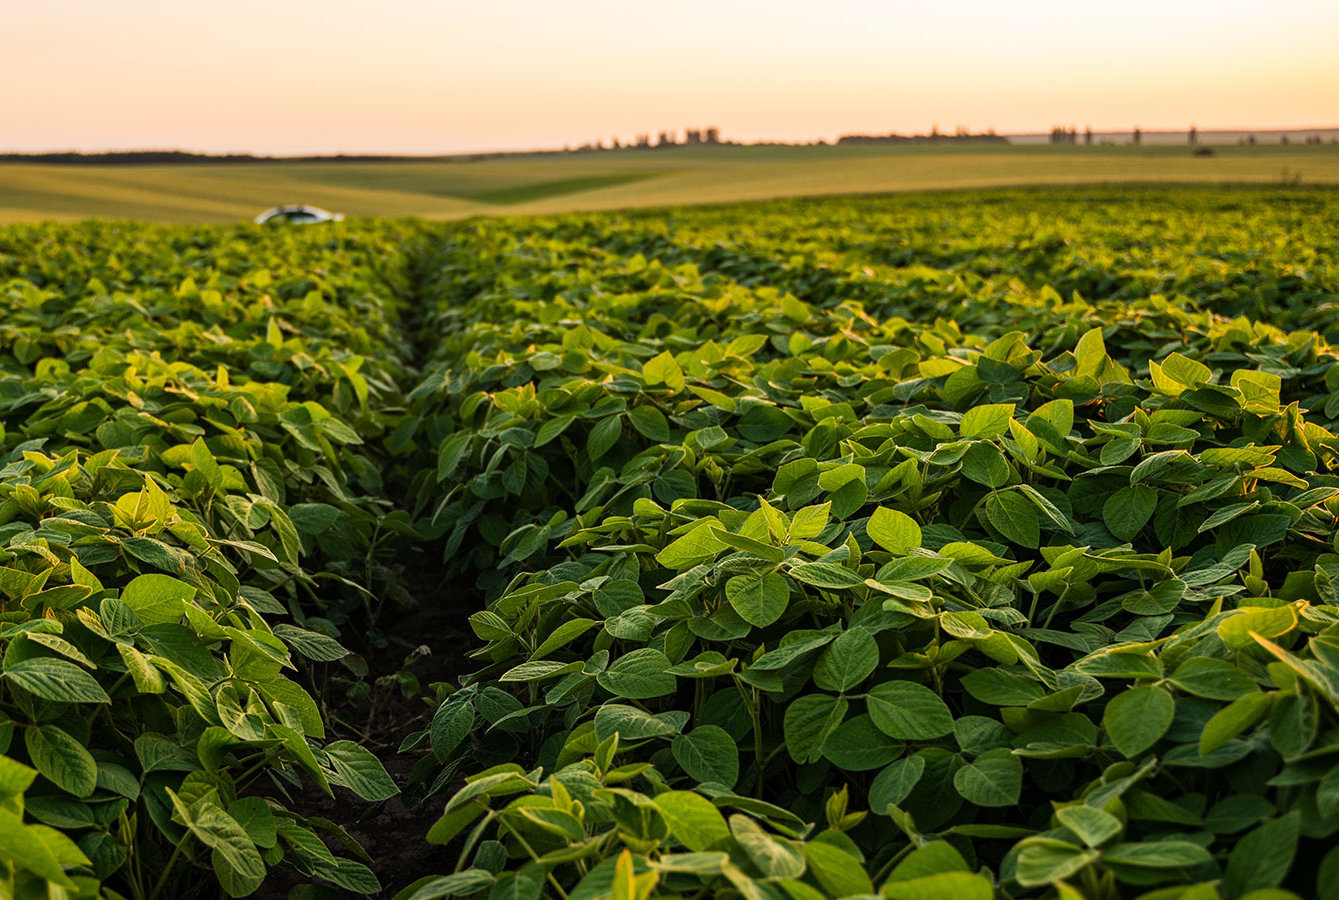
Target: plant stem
[535, 856]
[167, 868]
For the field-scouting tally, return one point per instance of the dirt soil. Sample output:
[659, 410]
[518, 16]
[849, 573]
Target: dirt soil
[394, 835]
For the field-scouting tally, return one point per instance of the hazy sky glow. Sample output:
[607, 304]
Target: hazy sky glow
[416, 76]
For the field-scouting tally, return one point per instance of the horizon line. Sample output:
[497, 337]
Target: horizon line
[12, 155]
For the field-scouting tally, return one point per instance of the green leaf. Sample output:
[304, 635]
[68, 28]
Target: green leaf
[1227, 514]
[1262, 858]
[808, 722]
[810, 521]
[1212, 678]
[932, 858]
[774, 857]
[348, 874]
[61, 759]
[554, 821]
[551, 429]
[21, 845]
[639, 675]
[985, 464]
[894, 531]
[452, 823]
[451, 724]
[1327, 794]
[759, 601]
[986, 422]
[995, 778]
[694, 863]
[1090, 352]
[826, 575]
[156, 599]
[1158, 855]
[1000, 688]
[359, 771]
[1046, 862]
[55, 679]
[696, 546]
[632, 724]
[1186, 371]
[311, 644]
[290, 544]
[15, 777]
[436, 887]
[1117, 451]
[603, 436]
[256, 819]
[147, 678]
[1015, 517]
[650, 422]
[563, 635]
[942, 886]
[908, 711]
[857, 745]
[221, 832]
[450, 454]
[289, 693]
[791, 651]
[1232, 720]
[1091, 825]
[1268, 622]
[708, 754]
[693, 820]
[1237, 813]
[760, 423]
[1128, 510]
[313, 518]
[1327, 878]
[840, 475]
[847, 661]
[895, 783]
[715, 398]
[977, 734]
[840, 874]
[1293, 722]
[662, 369]
[913, 568]
[1135, 719]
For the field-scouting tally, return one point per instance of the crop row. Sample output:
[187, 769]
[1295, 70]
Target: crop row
[187, 494]
[820, 571]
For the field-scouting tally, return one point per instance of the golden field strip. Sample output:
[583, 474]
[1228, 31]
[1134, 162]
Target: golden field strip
[553, 183]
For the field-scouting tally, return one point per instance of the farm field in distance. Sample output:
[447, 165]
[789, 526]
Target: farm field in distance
[945, 545]
[544, 184]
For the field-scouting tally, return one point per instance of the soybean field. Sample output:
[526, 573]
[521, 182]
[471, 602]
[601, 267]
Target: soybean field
[939, 546]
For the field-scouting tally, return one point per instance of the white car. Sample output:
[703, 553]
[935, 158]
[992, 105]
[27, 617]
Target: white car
[298, 213]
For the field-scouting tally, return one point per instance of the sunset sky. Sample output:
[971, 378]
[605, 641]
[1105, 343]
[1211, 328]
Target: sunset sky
[413, 76]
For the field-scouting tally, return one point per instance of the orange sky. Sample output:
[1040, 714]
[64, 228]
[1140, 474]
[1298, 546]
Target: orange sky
[411, 76]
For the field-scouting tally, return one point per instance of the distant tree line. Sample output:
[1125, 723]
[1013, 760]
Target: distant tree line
[691, 137]
[158, 157]
[1068, 134]
[960, 135]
